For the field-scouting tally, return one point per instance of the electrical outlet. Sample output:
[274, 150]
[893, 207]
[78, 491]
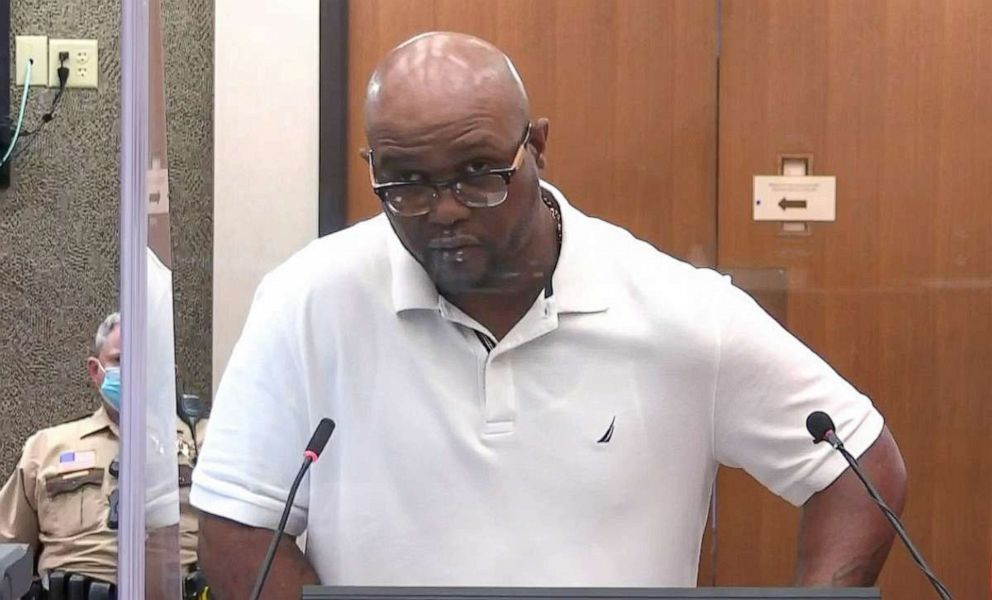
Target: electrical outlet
[82, 62]
[32, 47]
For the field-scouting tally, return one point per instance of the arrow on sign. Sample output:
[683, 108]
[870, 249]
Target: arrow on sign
[786, 204]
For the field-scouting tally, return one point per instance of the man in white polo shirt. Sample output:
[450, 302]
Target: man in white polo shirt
[525, 396]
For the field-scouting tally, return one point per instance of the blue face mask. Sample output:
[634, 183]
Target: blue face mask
[110, 389]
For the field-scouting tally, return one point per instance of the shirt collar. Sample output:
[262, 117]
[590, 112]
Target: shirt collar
[578, 281]
[98, 422]
[412, 287]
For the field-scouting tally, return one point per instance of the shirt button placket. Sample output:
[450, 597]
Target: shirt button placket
[500, 409]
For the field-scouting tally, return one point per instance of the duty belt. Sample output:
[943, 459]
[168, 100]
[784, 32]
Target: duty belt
[73, 586]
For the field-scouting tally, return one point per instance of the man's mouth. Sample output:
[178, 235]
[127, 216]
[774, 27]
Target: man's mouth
[453, 242]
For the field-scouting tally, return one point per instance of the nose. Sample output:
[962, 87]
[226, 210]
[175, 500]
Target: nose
[448, 210]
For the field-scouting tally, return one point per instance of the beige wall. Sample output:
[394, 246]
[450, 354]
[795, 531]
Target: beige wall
[265, 161]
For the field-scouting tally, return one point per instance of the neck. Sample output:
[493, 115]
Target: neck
[499, 308]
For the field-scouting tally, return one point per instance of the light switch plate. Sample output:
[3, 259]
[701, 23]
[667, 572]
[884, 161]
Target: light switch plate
[32, 47]
[83, 63]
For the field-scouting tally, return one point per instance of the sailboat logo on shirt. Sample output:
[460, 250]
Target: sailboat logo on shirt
[609, 432]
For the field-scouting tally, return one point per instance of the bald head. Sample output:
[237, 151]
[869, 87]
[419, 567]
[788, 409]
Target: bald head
[438, 75]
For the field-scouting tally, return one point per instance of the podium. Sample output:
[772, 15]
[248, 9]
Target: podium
[495, 593]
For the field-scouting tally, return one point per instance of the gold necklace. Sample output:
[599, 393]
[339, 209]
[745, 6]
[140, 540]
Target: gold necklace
[555, 212]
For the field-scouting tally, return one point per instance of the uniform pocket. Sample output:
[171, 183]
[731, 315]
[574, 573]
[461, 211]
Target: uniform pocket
[73, 502]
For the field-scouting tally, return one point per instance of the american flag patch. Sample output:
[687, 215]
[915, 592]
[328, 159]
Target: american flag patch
[75, 461]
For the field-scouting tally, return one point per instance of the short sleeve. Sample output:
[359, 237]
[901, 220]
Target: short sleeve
[767, 383]
[259, 422]
[18, 503]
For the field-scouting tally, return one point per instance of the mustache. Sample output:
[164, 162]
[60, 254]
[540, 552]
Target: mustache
[448, 241]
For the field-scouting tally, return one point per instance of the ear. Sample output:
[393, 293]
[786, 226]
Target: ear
[539, 141]
[94, 371]
[364, 153]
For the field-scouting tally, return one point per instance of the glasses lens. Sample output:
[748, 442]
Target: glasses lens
[481, 191]
[409, 199]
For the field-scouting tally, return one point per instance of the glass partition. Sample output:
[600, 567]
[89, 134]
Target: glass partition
[175, 410]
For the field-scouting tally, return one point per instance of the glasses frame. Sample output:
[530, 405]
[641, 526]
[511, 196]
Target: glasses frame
[506, 173]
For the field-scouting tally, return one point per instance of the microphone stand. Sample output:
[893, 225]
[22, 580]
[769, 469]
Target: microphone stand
[277, 534]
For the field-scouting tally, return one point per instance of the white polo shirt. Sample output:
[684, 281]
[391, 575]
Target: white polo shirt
[580, 451]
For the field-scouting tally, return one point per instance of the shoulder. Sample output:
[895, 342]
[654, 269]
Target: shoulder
[325, 288]
[337, 253]
[639, 280]
[44, 441]
[343, 261]
[616, 251]
[74, 428]
[637, 267]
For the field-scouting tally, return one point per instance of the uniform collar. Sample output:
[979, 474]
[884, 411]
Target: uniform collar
[577, 281]
[98, 422]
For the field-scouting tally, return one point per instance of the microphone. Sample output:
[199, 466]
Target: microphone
[317, 442]
[821, 427]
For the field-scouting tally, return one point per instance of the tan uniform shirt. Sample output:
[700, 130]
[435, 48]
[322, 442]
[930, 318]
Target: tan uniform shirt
[58, 498]
[189, 525]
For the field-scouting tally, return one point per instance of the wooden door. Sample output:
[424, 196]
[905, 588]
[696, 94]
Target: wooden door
[629, 88]
[893, 99]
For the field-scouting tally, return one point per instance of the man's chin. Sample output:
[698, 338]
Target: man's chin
[455, 283]
[456, 273]
[457, 280]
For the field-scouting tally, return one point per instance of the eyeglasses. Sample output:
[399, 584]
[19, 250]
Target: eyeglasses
[476, 190]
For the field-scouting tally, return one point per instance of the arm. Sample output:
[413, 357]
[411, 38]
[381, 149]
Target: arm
[18, 517]
[843, 537]
[230, 555]
[163, 577]
[258, 428]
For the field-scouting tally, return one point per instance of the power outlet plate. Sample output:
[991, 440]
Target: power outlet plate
[32, 47]
[83, 63]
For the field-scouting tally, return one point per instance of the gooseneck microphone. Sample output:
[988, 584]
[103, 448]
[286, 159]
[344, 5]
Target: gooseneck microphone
[317, 442]
[821, 427]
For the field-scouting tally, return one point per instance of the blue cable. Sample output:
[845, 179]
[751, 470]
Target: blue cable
[20, 117]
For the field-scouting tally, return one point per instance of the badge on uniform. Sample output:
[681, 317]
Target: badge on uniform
[75, 461]
[185, 450]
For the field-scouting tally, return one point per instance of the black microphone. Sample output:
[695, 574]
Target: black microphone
[317, 442]
[821, 427]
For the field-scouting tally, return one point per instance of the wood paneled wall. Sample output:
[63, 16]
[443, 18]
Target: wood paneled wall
[893, 99]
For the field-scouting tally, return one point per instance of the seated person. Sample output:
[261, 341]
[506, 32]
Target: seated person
[61, 499]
